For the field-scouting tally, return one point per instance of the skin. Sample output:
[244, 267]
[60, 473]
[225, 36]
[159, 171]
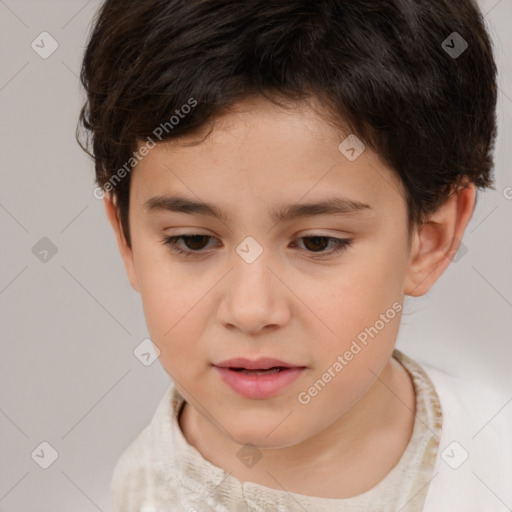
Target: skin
[289, 303]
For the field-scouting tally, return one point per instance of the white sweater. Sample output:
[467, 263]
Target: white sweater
[465, 465]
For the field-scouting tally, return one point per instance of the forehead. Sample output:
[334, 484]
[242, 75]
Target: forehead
[261, 152]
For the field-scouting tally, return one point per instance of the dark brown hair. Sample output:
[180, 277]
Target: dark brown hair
[388, 70]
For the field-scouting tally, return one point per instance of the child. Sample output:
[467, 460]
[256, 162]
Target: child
[327, 153]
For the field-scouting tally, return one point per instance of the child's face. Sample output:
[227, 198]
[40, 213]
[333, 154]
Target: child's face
[294, 302]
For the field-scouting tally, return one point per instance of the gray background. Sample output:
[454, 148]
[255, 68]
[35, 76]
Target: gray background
[69, 326]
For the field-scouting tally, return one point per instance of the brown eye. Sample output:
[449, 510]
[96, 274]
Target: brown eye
[187, 245]
[317, 243]
[196, 242]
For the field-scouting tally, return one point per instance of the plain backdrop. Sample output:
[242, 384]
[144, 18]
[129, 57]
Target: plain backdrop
[69, 325]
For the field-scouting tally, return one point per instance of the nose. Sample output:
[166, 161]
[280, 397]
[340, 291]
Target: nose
[253, 298]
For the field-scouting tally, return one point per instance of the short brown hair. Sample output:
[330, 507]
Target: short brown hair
[383, 69]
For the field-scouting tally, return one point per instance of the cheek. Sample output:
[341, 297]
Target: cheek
[173, 317]
[366, 325]
[172, 304]
[362, 308]
[357, 294]
[176, 327]
[164, 289]
[381, 270]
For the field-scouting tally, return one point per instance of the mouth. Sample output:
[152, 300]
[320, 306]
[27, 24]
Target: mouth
[274, 369]
[260, 364]
[258, 379]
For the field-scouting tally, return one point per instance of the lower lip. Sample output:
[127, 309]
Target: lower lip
[258, 387]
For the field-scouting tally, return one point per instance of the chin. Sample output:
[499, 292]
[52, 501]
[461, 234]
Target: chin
[265, 436]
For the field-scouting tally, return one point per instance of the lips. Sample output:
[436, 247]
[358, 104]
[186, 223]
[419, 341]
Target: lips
[259, 372]
[260, 378]
[263, 363]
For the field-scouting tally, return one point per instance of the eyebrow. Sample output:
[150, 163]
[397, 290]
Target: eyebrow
[331, 206]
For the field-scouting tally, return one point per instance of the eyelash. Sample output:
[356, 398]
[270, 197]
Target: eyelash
[171, 242]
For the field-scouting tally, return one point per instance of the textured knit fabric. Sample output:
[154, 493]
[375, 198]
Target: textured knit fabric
[161, 472]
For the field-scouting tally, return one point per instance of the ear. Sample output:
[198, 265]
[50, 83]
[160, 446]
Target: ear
[124, 249]
[436, 242]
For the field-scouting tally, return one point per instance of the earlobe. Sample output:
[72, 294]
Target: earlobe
[436, 242]
[124, 249]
